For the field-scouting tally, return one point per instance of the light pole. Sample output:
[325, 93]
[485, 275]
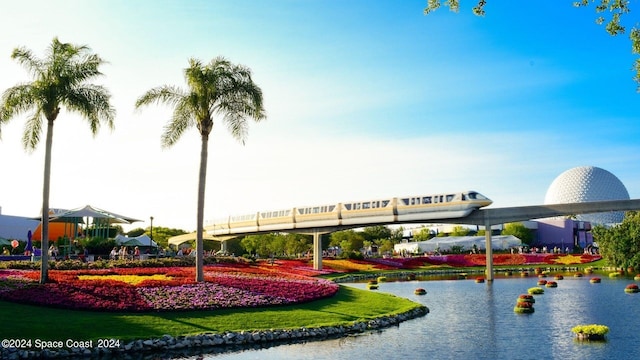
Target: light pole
[151, 237]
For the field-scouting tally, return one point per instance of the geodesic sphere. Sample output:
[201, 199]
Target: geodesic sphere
[588, 183]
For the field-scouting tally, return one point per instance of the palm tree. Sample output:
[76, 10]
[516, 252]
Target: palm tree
[218, 88]
[60, 79]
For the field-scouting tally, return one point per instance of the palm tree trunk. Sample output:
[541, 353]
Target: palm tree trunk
[202, 181]
[44, 267]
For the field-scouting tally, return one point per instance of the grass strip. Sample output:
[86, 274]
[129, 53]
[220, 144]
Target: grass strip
[19, 321]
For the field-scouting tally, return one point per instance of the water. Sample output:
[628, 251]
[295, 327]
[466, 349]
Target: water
[470, 320]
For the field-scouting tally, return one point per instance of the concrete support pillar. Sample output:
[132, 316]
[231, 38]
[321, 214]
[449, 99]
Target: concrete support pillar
[489, 249]
[317, 250]
[223, 245]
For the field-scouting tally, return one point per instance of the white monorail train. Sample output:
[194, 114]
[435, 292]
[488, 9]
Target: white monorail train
[397, 209]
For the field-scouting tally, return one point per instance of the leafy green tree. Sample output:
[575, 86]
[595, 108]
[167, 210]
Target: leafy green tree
[610, 14]
[218, 88]
[460, 231]
[297, 244]
[375, 233]
[386, 246]
[256, 244]
[518, 230]
[348, 240]
[161, 235]
[423, 234]
[60, 80]
[620, 244]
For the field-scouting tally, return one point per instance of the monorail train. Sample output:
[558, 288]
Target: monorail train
[397, 209]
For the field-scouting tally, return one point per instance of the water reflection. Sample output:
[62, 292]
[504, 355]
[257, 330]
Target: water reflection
[476, 321]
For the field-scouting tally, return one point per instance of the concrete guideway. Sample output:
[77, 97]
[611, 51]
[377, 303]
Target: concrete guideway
[490, 217]
[486, 217]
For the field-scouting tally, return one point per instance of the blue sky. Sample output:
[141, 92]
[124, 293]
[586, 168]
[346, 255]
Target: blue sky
[364, 100]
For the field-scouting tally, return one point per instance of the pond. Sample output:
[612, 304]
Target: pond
[470, 320]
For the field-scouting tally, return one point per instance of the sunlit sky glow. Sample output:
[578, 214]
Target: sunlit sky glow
[364, 100]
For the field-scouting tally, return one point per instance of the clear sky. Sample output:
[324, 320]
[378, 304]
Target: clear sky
[365, 99]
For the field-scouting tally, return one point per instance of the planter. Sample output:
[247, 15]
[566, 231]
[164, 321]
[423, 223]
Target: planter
[420, 291]
[558, 277]
[523, 307]
[551, 284]
[479, 280]
[631, 288]
[595, 280]
[637, 277]
[589, 337]
[535, 291]
[542, 282]
[577, 275]
[526, 298]
[590, 332]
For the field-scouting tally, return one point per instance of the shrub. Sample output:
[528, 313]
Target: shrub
[591, 329]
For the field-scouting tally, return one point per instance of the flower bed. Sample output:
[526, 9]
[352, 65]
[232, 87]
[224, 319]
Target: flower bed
[590, 332]
[535, 291]
[162, 289]
[523, 307]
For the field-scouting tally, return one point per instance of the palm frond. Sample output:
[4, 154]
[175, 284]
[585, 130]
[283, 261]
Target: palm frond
[181, 120]
[92, 102]
[26, 58]
[33, 130]
[170, 95]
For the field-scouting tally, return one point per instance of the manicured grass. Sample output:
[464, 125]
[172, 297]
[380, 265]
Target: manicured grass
[348, 305]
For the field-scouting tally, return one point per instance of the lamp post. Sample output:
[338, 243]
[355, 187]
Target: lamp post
[151, 237]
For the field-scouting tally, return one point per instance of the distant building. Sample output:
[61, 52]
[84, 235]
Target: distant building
[16, 227]
[563, 233]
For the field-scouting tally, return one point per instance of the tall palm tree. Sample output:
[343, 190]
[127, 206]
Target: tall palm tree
[60, 79]
[218, 88]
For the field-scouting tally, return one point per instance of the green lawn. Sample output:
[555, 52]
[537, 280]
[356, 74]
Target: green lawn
[348, 305]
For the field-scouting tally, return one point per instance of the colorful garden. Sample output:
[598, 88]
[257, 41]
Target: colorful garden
[228, 285]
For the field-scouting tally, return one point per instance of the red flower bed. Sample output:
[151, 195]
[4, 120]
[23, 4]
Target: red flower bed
[226, 286]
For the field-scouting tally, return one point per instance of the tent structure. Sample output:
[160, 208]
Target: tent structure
[142, 240]
[64, 223]
[499, 242]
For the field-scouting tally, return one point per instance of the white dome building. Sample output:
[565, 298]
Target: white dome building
[588, 183]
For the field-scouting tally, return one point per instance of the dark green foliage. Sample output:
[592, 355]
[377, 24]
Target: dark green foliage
[518, 230]
[98, 246]
[620, 244]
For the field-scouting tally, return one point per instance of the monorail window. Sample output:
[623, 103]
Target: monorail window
[450, 198]
[405, 201]
[385, 203]
[426, 200]
[347, 206]
[356, 206]
[366, 205]
[413, 201]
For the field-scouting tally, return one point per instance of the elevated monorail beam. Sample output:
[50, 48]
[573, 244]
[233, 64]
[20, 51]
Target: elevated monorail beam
[523, 213]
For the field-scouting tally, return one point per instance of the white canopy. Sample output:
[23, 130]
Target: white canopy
[144, 239]
[498, 242]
